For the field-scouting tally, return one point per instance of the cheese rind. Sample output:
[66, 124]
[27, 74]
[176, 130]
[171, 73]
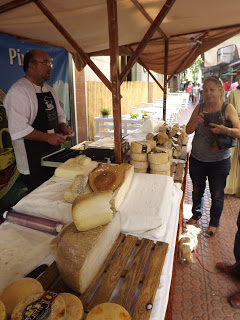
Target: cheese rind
[3, 313]
[74, 306]
[158, 157]
[140, 147]
[160, 166]
[138, 156]
[139, 164]
[85, 252]
[92, 210]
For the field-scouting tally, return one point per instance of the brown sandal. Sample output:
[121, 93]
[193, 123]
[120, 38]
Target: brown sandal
[210, 233]
[192, 222]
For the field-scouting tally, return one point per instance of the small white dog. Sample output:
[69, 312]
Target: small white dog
[188, 241]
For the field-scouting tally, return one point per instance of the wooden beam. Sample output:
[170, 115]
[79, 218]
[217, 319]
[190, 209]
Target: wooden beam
[165, 79]
[162, 14]
[147, 16]
[73, 43]
[114, 65]
[13, 5]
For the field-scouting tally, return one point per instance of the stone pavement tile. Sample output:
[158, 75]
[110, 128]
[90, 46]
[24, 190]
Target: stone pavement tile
[219, 308]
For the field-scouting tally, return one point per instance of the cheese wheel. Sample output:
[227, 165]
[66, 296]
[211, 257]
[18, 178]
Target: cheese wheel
[31, 306]
[168, 150]
[158, 157]
[107, 176]
[164, 173]
[140, 170]
[3, 313]
[153, 143]
[160, 166]
[139, 164]
[139, 156]
[92, 210]
[17, 290]
[140, 147]
[80, 255]
[74, 306]
[162, 137]
[168, 143]
[150, 136]
[108, 311]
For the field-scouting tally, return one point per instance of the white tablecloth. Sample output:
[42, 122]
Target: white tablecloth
[46, 201]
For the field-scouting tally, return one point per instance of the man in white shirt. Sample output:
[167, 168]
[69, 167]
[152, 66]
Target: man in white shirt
[36, 122]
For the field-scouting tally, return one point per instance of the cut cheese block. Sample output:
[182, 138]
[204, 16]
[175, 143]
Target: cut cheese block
[108, 311]
[107, 176]
[80, 185]
[164, 173]
[158, 157]
[17, 290]
[121, 192]
[80, 255]
[139, 156]
[33, 306]
[140, 147]
[72, 167]
[74, 306]
[160, 166]
[92, 210]
[3, 313]
[139, 164]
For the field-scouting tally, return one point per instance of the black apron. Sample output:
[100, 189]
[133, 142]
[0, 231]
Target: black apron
[46, 121]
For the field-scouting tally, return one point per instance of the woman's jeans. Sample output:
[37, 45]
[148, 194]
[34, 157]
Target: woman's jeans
[236, 249]
[217, 173]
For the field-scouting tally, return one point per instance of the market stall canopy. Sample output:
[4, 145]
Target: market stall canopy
[189, 27]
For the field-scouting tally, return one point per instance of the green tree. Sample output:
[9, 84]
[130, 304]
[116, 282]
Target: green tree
[194, 69]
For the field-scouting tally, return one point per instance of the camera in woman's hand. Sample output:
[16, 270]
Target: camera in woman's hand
[212, 117]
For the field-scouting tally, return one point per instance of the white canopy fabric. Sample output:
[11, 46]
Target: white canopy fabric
[189, 27]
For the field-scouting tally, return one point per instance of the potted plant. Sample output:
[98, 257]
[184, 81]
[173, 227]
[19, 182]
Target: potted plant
[105, 112]
[133, 115]
[144, 115]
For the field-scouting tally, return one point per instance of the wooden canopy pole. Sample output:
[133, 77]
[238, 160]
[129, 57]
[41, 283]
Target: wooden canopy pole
[114, 65]
[165, 79]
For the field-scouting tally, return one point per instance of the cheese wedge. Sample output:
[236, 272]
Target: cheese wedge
[72, 167]
[92, 210]
[80, 255]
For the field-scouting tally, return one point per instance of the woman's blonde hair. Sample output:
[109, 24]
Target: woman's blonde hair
[218, 82]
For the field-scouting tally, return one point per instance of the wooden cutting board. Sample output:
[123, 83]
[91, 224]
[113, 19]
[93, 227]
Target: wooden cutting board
[130, 277]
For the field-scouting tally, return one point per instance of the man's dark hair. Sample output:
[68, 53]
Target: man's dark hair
[28, 57]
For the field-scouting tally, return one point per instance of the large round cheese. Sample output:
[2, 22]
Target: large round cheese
[139, 164]
[32, 307]
[158, 157]
[74, 306]
[139, 156]
[160, 166]
[17, 290]
[108, 311]
[140, 147]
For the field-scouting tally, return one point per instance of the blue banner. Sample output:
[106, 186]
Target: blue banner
[12, 52]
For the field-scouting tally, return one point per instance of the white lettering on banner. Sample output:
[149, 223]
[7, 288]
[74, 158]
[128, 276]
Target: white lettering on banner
[13, 54]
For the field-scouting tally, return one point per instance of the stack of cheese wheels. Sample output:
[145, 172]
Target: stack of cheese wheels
[159, 163]
[107, 311]
[139, 155]
[17, 290]
[168, 150]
